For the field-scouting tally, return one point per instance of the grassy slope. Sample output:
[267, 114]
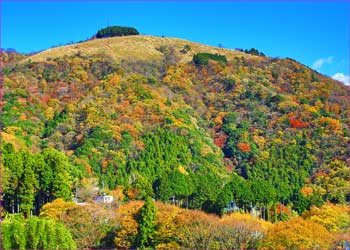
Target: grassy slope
[132, 47]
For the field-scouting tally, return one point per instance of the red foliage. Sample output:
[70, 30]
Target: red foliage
[219, 140]
[229, 165]
[295, 123]
[218, 127]
[45, 98]
[252, 130]
[282, 209]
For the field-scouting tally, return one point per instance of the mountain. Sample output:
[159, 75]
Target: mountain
[140, 114]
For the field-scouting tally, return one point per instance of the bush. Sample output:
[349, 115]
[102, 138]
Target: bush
[254, 52]
[203, 58]
[116, 31]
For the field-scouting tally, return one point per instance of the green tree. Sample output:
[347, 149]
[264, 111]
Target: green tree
[27, 189]
[203, 58]
[147, 224]
[62, 179]
[35, 233]
[116, 31]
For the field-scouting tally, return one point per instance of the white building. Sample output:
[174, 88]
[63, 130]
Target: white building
[104, 199]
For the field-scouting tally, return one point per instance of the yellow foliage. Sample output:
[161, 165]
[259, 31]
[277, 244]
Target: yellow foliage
[49, 113]
[310, 109]
[298, 233]
[205, 150]
[129, 226]
[264, 155]
[14, 140]
[168, 246]
[182, 170]
[114, 79]
[53, 102]
[287, 106]
[259, 140]
[335, 218]
[57, 209]
[245, 135]
[71, 108]
[248, 221]
[167, 229]
[118, 194]
[319, 104]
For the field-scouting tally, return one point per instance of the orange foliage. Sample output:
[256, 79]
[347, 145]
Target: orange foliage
[133, 193]
[79, 138]
[218, 119]
[118, 193]
[104, 164]
[306, 191]
[243, 147]
[85, 164]
[138, 111]
[140, 145]
[22, 100]
[330, 122]
[130, 128]
[281, 209]
[23, 117]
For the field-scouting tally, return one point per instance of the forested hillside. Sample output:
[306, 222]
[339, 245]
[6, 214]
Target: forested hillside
[198, 127]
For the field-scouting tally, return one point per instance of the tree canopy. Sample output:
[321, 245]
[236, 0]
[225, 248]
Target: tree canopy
[116, 31]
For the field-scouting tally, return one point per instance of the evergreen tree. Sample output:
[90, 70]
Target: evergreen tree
[35, 233]
[27, 188]
[147, 224]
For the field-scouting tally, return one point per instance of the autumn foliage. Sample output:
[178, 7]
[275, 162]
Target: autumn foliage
[210, 130]
[298, 234]
[243, 147]
[295, 123]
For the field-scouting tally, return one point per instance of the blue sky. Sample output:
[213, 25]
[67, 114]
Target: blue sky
[313, 33]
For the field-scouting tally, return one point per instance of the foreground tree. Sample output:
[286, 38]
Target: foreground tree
[147, 224]
[91, 225]
[35, 233]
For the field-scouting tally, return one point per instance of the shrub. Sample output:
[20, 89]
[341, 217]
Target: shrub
[203, 58]
[254, 52]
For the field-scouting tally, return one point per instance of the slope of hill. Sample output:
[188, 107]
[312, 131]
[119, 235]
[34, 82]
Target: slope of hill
[137, 113]
[138, 47]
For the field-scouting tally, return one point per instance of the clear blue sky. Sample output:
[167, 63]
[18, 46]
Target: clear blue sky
[314, 33]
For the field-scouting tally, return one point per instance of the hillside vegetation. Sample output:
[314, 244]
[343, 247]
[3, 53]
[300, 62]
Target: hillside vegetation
[195, 126]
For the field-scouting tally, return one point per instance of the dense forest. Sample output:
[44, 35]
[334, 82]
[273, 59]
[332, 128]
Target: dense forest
[195, 144]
